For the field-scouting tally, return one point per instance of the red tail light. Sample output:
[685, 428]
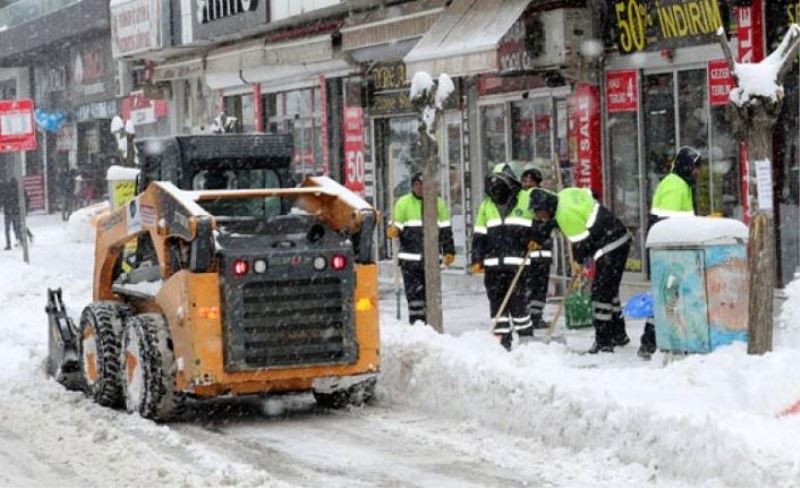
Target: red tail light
[240, 268]
[338, 262]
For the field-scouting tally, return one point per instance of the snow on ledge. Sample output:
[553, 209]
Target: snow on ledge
[121, 173]
[696, 231]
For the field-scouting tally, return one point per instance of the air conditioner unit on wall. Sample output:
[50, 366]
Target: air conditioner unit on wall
[554, 38]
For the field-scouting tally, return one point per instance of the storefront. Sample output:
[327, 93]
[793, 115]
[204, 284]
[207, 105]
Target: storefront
[395, 126]
[664, 91]
[786, 156]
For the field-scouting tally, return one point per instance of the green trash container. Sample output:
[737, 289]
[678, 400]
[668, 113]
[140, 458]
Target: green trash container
[578, 309]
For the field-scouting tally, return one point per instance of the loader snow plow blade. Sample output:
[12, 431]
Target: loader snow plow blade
[62, 354]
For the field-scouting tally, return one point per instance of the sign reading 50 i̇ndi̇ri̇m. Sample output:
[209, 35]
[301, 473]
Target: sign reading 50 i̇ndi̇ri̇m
[664, 24]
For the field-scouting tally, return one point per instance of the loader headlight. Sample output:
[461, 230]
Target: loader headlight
[259, 266]
[320, 262]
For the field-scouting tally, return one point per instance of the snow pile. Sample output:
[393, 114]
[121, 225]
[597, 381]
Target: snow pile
[53, 437]
[709, 418]
[787, 333]
[691, 230]
[81, 224]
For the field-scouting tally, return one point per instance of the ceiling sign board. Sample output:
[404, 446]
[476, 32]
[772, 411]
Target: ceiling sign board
[17, 130]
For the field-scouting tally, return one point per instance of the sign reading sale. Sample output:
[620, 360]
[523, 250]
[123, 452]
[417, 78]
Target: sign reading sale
[354, 149]
[584, 135]
[17, 131]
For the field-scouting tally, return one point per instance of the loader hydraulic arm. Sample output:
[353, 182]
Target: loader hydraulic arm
[161, 212]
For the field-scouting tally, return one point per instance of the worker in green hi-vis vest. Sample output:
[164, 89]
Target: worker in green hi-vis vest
[594, 233]
[674, 196]
[407, 225]
[500, 245]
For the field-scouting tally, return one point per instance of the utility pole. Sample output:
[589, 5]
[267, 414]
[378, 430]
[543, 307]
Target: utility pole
[429, 98]
[23, 210]
[755, 105]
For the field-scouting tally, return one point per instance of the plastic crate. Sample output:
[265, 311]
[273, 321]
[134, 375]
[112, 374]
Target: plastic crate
[578, 310]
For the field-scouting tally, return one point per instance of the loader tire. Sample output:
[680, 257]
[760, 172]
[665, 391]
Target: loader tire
[100, 331]
[148, 369]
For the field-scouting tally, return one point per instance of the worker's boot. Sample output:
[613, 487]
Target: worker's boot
[619, 337]
[538, 321]
[648, 341]
[505, 340]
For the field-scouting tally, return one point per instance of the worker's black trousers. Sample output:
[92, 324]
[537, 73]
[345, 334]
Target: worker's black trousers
[537, 277]
[609, 326]
[414, 283]
[515, 316]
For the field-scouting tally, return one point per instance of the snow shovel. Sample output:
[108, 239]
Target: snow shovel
[574, 284]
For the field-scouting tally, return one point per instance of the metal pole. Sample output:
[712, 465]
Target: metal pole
[45, 179]
[22, 210]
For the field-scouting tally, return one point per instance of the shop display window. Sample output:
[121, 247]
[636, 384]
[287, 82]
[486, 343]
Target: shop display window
[493, 135]
[298, 112]
[531, 137]
[624, 179]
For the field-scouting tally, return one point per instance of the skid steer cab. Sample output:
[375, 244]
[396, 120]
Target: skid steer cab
[235, 288]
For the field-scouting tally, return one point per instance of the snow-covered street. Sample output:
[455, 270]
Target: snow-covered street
[453, 410]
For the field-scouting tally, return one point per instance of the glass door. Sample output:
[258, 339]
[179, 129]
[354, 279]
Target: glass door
[452, 182]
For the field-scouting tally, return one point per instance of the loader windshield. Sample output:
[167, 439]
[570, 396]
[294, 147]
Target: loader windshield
[239, 179]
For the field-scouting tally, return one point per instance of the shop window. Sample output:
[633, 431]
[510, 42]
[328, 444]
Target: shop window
[693, 124]
[787, 181]
[531, 136]
[298, 112]
[658, 99]
[493, 135]
[232, 107]
[624, 178]
[724, 167]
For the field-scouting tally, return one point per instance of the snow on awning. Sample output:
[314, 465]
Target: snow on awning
[260, 62]
[464, 40]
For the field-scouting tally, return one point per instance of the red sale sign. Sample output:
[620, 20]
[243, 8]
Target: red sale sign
[622, 91]
[354, 149]
[720, 82]
[584, 134]
[17, 131]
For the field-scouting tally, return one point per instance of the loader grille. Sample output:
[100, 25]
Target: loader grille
[293, 322]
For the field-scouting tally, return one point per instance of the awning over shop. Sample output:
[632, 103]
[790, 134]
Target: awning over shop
[391, 29]
[258, 62]
[464, 39]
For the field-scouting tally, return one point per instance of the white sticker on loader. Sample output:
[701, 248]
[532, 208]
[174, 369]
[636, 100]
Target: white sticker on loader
[134, 216]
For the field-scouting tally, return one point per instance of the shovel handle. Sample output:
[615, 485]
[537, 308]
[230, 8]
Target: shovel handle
[573, 285]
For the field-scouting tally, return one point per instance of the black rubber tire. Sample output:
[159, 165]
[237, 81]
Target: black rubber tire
[357, 395]
[148, 369]
[100, 331]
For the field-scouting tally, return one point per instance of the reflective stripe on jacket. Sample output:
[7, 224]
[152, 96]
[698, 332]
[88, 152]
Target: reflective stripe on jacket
[501, 240]
[407, 217]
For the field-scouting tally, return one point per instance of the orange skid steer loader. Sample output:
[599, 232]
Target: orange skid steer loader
[230, 291]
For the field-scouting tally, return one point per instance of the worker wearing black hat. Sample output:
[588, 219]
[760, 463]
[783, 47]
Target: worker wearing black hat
[406, 224]
[594, 232]
[499, 246]
[537, 275]
[674, 196]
